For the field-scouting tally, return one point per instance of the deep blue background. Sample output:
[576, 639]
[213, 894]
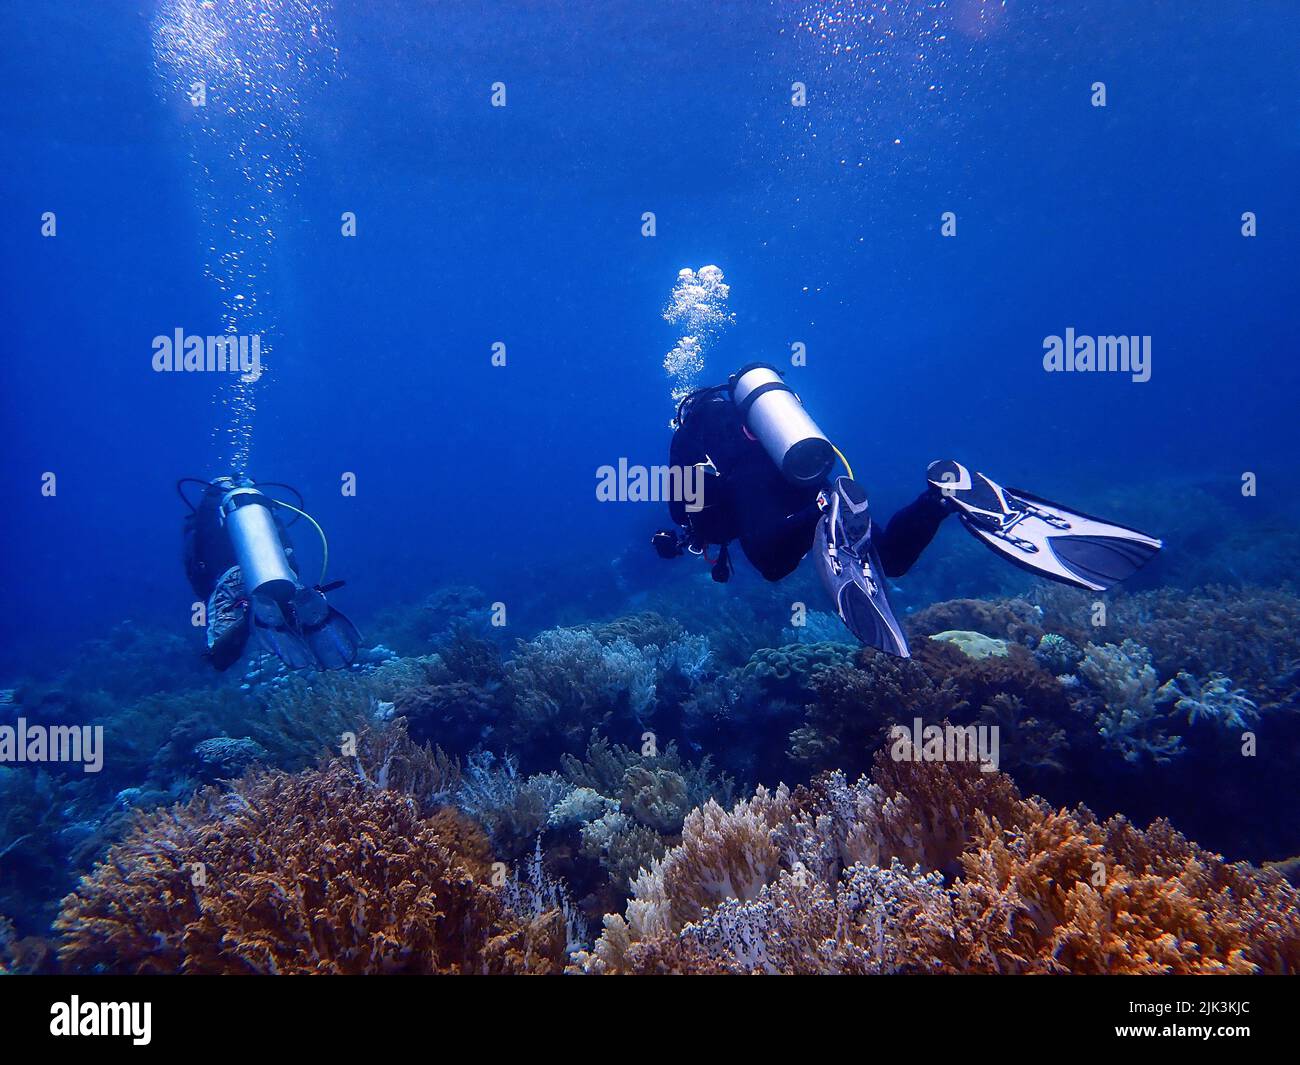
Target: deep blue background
[523, 225]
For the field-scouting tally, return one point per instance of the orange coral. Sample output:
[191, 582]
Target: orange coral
[319, 872]
[724, 854]
[1067, 894]
[1039, 890]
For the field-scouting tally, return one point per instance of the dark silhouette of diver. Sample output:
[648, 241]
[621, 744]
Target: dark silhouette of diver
[240, 561]
[765, 469]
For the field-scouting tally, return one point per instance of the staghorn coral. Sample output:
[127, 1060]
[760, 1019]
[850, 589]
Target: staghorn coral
[318, 872]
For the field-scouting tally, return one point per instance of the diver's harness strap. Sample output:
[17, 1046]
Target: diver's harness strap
[762, 390]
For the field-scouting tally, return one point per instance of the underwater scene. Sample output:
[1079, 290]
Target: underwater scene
[681, 488]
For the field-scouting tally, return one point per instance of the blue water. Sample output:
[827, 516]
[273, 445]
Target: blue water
[522, 224]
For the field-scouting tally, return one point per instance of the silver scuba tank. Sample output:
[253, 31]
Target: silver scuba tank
[254, 535]
[773, 413]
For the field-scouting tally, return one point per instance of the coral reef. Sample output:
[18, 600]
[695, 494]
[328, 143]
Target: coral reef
[846, 878]
[319, 872]
[1058, 655]
[417, 628]
[1005, 619]
[973, 644]
[564, 682]
[1251, 634]
[222, 757]
[512, 807]
[1129, 720]
[855, 706]
[477, 786]
[1213, 700]
[1062, 893]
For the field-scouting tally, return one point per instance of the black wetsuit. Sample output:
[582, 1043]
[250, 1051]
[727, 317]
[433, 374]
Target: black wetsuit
[208, 553]
[751, 501]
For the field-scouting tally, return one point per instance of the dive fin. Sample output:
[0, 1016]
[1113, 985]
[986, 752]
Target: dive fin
[1041, 536]
[851, 572]
[333, 639]
[276, 634]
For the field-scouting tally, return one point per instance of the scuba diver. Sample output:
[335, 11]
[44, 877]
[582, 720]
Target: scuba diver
[766, 483]
[240, 561]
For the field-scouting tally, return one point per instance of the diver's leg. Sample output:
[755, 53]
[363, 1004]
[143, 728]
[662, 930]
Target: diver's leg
[910, 531]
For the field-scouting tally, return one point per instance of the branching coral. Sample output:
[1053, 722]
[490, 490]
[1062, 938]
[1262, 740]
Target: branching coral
[456, 714]
[564, 682]
[315, 873]
[844, 878]
[1251, 634]
[1214, 701]
[1129, 721]
[513, 807]
[854, 707]
[636, 799]
[641, 780]
[1065, 894]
